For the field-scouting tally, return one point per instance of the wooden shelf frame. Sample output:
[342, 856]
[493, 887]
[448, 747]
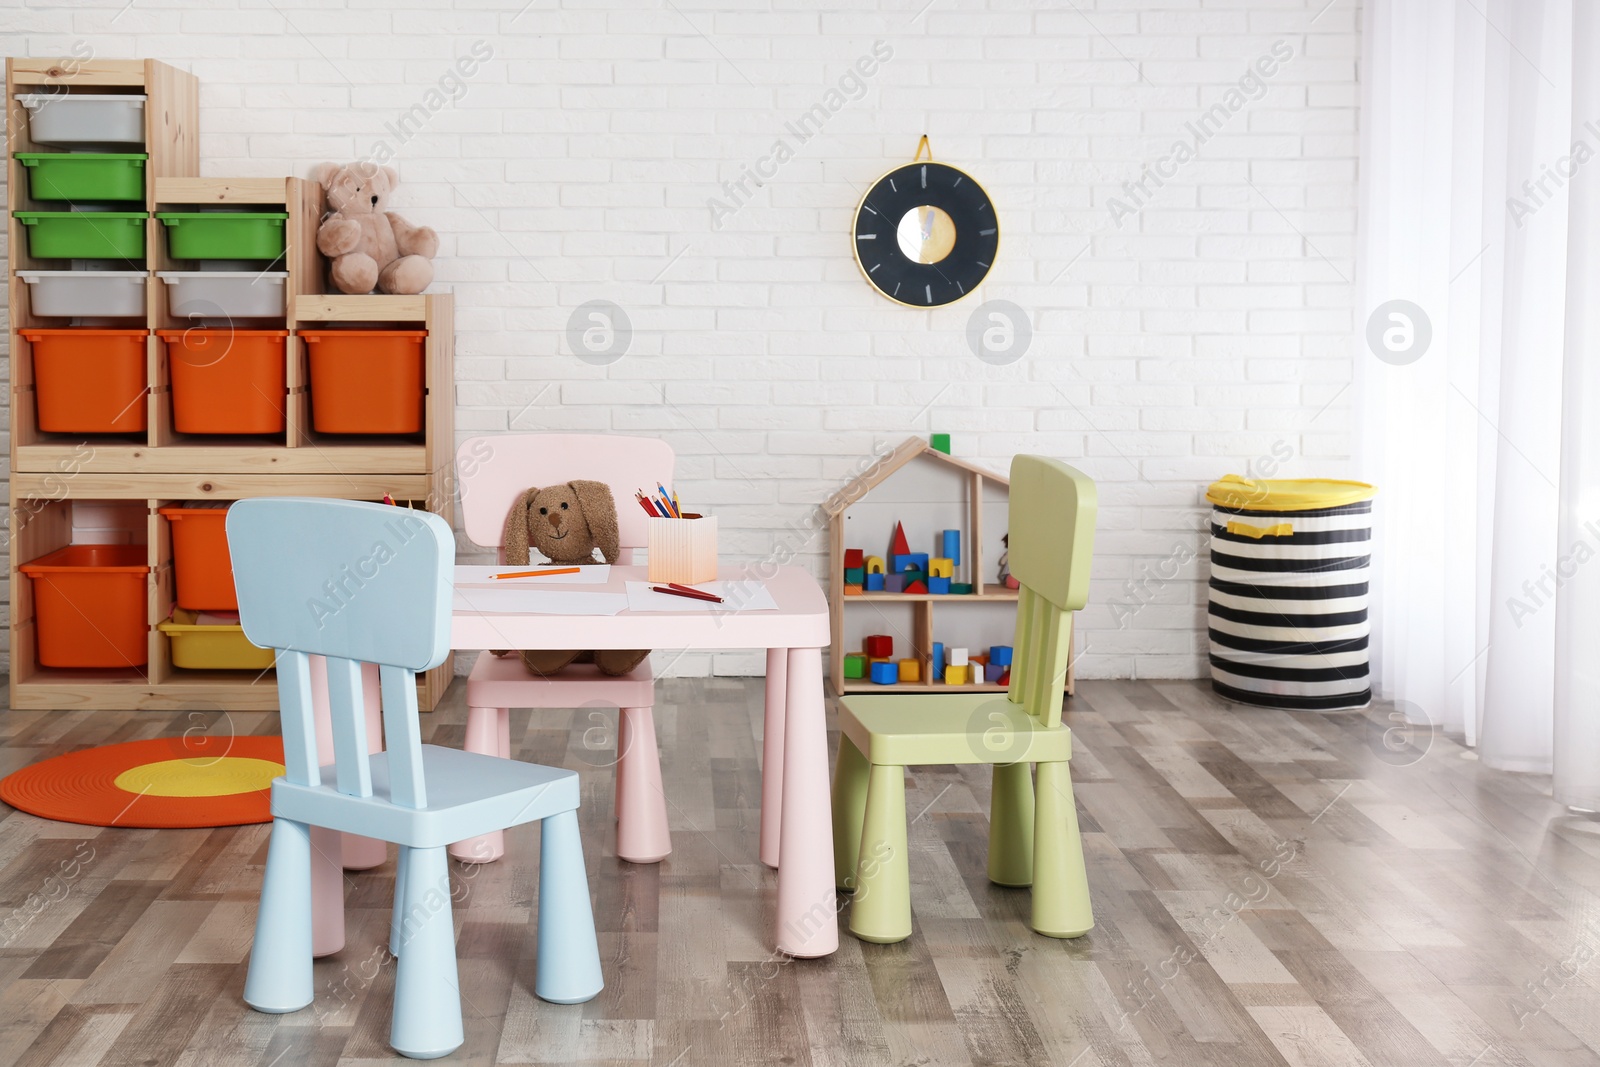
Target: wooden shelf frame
[923, 604]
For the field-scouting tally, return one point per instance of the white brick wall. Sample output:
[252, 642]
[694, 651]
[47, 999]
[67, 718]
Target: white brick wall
[1206, 332]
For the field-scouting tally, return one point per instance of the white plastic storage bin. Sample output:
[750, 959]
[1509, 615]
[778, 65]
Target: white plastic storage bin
[84, 120]
[247, 294]
[86, 293]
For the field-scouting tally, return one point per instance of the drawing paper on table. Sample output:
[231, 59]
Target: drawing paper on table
[736, 596]
[509, 599]
[474, 574]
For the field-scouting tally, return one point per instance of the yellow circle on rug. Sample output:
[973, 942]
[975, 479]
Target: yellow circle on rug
[204, 777]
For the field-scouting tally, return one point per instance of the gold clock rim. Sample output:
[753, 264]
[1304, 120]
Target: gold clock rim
[855, 245]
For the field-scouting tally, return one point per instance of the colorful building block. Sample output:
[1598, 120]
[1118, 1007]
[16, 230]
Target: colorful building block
[885, 673]
[898, 545]
[894, 583]
[1005, 676]
[852, 590]
[958, 657]
[939, 442]
[950, 546]
[855, 665]
[955, 675]
[1000, 654]
[910, 670]
[910, 561]
[916, 587]
[853, 558]
[961, 588]
[1012, 583]
[879, 646]
[875, 565]
[938, 585]
[914, 576]
[936, 661]
[941, 567]
[992, 672]
[875, 582]
[855, 575]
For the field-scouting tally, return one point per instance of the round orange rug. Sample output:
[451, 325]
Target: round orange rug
[166, 782]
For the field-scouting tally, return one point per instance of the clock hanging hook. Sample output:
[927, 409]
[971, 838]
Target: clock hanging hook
[923, 146]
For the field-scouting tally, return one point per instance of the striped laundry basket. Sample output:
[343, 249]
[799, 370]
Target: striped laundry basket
[1288, 616]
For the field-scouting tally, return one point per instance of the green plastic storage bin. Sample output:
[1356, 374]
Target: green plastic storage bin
[225, 234]
[84, 175]
[84, 234]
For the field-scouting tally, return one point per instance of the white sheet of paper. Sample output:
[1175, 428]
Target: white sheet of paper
[737, 596]
[473, 574]
[528, 600]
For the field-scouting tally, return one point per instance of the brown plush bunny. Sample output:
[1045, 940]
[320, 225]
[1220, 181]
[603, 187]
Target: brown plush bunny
[567, 523]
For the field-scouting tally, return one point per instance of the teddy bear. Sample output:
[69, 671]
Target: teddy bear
[367, 247]
[567, 522]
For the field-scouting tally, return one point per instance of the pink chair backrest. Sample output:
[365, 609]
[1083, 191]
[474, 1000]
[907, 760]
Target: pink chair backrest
[495, 469]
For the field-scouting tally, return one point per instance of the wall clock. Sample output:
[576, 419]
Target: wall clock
[926, 233]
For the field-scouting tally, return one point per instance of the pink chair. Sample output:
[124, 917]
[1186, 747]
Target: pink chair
[493, 472]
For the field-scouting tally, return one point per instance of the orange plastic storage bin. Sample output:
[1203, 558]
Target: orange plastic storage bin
[89, 381]
[89, 606]
[226, 380]
[201, 566]
[366, 381]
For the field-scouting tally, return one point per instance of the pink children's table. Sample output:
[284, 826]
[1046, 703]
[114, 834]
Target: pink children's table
[796, 826]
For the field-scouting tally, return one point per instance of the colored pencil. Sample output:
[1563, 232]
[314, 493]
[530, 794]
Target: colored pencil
[540, 574]
[643, 503]
[690, 594]
[692, 589]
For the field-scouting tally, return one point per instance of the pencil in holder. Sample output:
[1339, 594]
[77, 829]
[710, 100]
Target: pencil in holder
[683, 550]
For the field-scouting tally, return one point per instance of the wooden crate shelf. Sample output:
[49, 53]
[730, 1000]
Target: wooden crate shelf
[54, 473]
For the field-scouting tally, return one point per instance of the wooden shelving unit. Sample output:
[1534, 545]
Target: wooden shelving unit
[59, 479]
[969, 499]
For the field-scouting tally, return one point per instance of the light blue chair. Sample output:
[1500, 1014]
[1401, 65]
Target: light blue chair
[368, 583]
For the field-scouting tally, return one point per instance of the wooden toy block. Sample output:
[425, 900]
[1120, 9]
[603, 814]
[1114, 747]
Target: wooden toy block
[879, 659]
[992, 672]
[914, 576]
[853, 558]
[1000, 654]
[941, 567]
[874, 582]
[916, 587]
[910, 670]
[936, 661]
[898, 545]
[978, 659]
[894, 583]
[1012, 583]
[955, 675]
[938, 585]
[855, 665]
[910, 561]
[958, 657]
[852, 590]
[885, 673]
[939, 442]
[855, 575]
[950, 546]
[875, 565]
[1005, 676]
[879, 645]
[961, 588]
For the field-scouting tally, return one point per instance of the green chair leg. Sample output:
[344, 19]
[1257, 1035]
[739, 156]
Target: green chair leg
[881, 910]
[1011, 825]
[849, 808]
[1060, 881]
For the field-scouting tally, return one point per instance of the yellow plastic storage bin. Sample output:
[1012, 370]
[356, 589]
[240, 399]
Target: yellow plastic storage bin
[212, 646]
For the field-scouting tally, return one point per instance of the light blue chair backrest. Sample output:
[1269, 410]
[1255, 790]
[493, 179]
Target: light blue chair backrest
[356, 583]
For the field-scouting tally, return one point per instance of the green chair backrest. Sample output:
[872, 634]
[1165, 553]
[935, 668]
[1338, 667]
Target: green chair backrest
[1050, 544]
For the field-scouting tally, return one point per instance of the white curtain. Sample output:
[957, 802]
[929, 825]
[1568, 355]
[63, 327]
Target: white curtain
[1480, 205]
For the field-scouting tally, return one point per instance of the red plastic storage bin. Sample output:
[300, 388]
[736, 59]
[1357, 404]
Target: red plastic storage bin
[89, 381]
[201, 566]
[226, 380]
[89, 606]
[366, 381]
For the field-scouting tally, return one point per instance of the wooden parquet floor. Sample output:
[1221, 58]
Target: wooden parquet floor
[1269, 888]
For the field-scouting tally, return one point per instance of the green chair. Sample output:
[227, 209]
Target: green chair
[1033, 832]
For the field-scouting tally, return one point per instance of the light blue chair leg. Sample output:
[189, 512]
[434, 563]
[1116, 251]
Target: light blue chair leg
[397, 920]
[427, 993]
[279, 979]
[568, 969]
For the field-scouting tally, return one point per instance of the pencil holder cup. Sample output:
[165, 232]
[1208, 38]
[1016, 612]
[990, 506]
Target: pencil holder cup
[683, 550]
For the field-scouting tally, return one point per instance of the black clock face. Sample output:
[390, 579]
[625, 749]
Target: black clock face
[926, 234]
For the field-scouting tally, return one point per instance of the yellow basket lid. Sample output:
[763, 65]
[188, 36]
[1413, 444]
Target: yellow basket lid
[1286, 494]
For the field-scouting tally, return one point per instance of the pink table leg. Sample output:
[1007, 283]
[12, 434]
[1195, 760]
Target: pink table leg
[327, 893]
[772, 755]
[807, 911]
